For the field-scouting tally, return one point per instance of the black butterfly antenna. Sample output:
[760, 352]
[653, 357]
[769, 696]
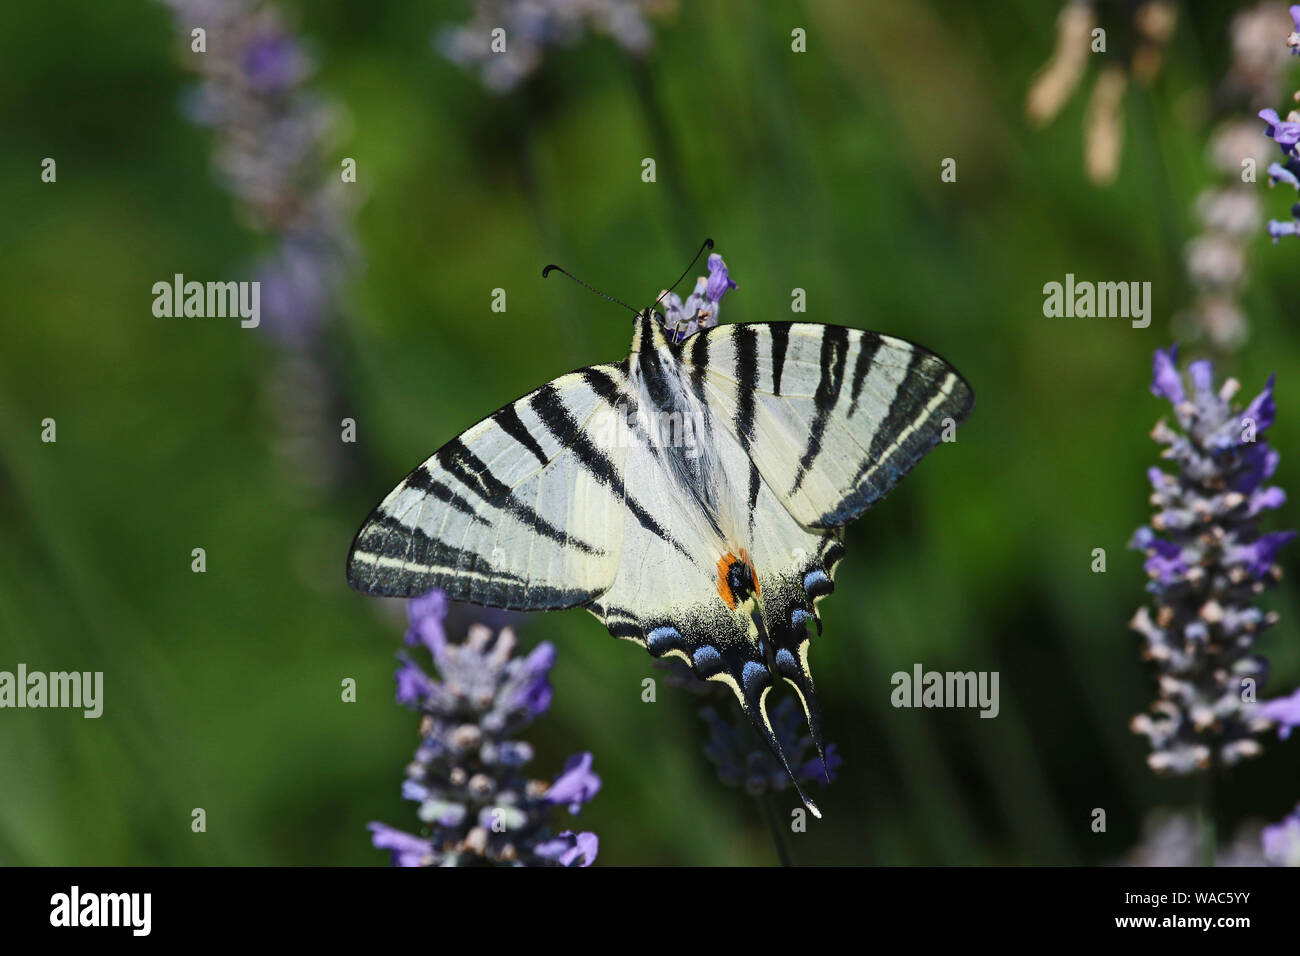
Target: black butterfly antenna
[708, 244]
[547, 271]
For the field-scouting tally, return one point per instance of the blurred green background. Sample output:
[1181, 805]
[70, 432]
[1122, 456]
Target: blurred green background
[818, 171]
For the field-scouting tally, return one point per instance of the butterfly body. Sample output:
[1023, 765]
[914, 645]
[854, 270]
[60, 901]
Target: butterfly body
[692, 497]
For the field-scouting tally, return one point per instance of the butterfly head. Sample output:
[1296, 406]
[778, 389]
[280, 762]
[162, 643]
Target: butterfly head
[653, 331]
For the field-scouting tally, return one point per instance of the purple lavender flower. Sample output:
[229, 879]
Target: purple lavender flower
[1293, 38]
[700, 310]
[1259, 556]
[407, 850]
[576, 785]
[569, 848]
[1277, 229]
[719, 280]
[1166, 382]
[274, 63]
[742, 760]
[427, 616]
[467, 774]
[1208, 562]
[1177, 838]
[1282, 712]
[1285, 133]
[1281, 840]
[413, 684]
[507, 40]
[1277, 173]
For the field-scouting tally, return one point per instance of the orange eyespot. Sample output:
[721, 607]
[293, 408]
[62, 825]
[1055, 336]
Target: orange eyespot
[737, 578]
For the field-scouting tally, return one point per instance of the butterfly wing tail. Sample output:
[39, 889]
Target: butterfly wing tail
[725, 655]
[790, 612]
[795, 673]
[752, 691]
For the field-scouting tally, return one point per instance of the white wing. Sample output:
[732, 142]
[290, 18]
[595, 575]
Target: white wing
[832, 417]
[523, 511]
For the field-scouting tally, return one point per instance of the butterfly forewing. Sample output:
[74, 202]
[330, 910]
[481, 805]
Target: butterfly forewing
[524, 510]
[833, 417]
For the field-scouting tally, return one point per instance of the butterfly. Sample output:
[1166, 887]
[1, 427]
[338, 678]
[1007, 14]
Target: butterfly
[692, 496]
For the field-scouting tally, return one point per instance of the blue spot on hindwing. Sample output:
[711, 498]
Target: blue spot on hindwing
[707, 660]
[816, 583]
[662, 640]
[754, 675]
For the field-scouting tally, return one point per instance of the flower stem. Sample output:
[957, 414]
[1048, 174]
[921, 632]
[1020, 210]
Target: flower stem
[774, 825]
[682, 207]
[1205, 816]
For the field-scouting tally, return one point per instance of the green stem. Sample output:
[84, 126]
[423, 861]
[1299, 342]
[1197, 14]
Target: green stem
[670, 167]
[1205, 814]
[774, 825]
[1168, 211]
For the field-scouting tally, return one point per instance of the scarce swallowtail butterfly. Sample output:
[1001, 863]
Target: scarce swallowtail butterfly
[692, 496]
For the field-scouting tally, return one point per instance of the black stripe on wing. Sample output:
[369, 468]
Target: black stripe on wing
[514, 426]
[834, 353]
[471, 472]
[746, 381]
[868, 348]
[429, 563]
[422, 480]
[555, 416]
[913, 425]
[780, 343]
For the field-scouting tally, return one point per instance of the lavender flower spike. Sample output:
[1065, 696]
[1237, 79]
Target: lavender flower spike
[1286, 133]
[274, 137]
[700, 310]
[742, 760]
[467, 776]
[1208, 562]
[507, 40]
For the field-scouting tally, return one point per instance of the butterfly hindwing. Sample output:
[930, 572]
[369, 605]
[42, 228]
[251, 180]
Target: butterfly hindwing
[524, 510]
